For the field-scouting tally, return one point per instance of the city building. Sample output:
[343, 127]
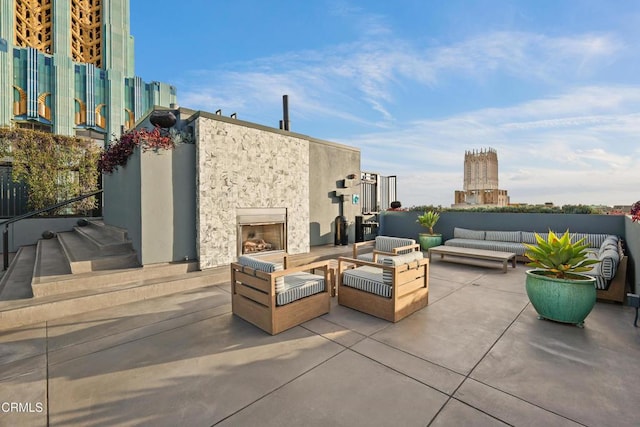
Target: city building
[481, 180]
[67, 67]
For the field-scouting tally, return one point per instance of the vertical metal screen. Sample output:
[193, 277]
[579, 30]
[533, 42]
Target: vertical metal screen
[13, 195]
[377, 192]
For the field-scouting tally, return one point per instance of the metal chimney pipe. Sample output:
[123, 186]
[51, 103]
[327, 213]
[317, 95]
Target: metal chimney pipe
[285, 111]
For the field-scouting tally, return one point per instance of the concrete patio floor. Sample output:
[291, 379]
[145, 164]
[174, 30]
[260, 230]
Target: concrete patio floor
[477, 355]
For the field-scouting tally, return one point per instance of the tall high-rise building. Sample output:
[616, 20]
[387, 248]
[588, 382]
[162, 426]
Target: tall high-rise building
[67, 67]
[481, 180]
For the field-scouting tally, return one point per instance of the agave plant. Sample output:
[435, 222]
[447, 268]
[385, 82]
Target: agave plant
[558, 256]
[429, 219]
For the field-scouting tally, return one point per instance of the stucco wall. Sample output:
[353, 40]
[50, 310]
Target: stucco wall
[121, 197]
[240, 165]
[167, 204]
[153, 198]
[330, 164]
[29, 231]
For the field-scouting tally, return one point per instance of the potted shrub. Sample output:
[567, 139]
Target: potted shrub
[555, 287]
[430, 239]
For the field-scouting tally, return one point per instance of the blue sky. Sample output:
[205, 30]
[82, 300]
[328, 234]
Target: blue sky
[553, 86]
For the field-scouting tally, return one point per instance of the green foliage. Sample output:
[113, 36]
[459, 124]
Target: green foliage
[429, 219]
[578, 209]
[426, 208]
[55, 167]
[559, 256]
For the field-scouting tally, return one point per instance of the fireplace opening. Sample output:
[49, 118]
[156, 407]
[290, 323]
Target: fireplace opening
[262, 238]
[261, 231]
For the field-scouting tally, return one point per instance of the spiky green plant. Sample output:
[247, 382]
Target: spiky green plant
[559, 256]
[429, 220]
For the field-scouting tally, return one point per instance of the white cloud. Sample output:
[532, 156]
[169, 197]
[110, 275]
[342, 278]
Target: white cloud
[573, 159]
[570, 143]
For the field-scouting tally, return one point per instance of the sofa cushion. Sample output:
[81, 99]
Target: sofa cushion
[465, 233]
[593, 240]
[388, 243]
[413, 257]
[368, 279]
[530, 237]
[298, 286]
[504, 236]
[264, 266]
[611, 242]
[516, 248]
[609, 260]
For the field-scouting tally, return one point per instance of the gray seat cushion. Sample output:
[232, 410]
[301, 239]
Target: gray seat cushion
[298, 286]
[516, 248]
[368, 279]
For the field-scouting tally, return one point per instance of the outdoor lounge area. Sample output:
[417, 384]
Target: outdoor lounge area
[475, 355]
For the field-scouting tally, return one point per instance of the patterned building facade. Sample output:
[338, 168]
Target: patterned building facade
[481, 180]
[67, 67]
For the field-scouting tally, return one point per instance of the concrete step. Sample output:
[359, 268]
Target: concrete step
[16, 281]
[84, 256]
[106, 239]
[48, 285]
[29, 311]
[114, 231]
[51, 261]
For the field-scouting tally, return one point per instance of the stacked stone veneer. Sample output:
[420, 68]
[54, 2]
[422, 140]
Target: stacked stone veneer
[240, 166]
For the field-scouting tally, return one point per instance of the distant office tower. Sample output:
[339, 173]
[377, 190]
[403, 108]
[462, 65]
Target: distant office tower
[481, 180]
[67, 67]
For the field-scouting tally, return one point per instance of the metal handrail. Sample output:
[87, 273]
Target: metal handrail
[5, 232]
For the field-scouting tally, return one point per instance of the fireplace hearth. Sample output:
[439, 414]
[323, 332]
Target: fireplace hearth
[261, 230]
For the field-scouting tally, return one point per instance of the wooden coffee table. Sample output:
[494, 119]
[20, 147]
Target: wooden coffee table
[460, 254]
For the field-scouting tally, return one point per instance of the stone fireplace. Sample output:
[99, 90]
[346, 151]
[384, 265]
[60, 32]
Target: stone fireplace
[261, 230]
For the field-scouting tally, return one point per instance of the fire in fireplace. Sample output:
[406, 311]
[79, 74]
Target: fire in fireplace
[261, 230]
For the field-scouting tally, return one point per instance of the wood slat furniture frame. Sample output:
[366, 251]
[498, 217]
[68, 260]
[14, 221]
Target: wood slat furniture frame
[410, 290]
[253, 298]
[358, 246]
[617, 290]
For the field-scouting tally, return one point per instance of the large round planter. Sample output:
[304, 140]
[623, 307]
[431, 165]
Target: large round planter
[561, 300]
[429, 240]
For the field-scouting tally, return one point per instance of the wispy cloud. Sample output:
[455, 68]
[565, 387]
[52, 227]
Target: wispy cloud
[341, 79]
[571, 140]
[541, 157]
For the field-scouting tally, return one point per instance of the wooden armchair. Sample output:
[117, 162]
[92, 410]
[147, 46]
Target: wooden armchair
[275, 298]
[383, 247]
[391, 290]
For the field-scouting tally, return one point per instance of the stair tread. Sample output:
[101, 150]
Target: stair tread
[51, 260]
[17, 280]
[79, 249]
[102, 235]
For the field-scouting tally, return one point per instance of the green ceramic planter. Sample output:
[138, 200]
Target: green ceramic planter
[429, 240]
[561, 300]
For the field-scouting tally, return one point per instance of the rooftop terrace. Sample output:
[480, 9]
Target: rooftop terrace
[476, 355]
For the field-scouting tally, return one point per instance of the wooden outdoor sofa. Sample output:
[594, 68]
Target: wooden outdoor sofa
[391, 290]
[610, 273]
[275, 298]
